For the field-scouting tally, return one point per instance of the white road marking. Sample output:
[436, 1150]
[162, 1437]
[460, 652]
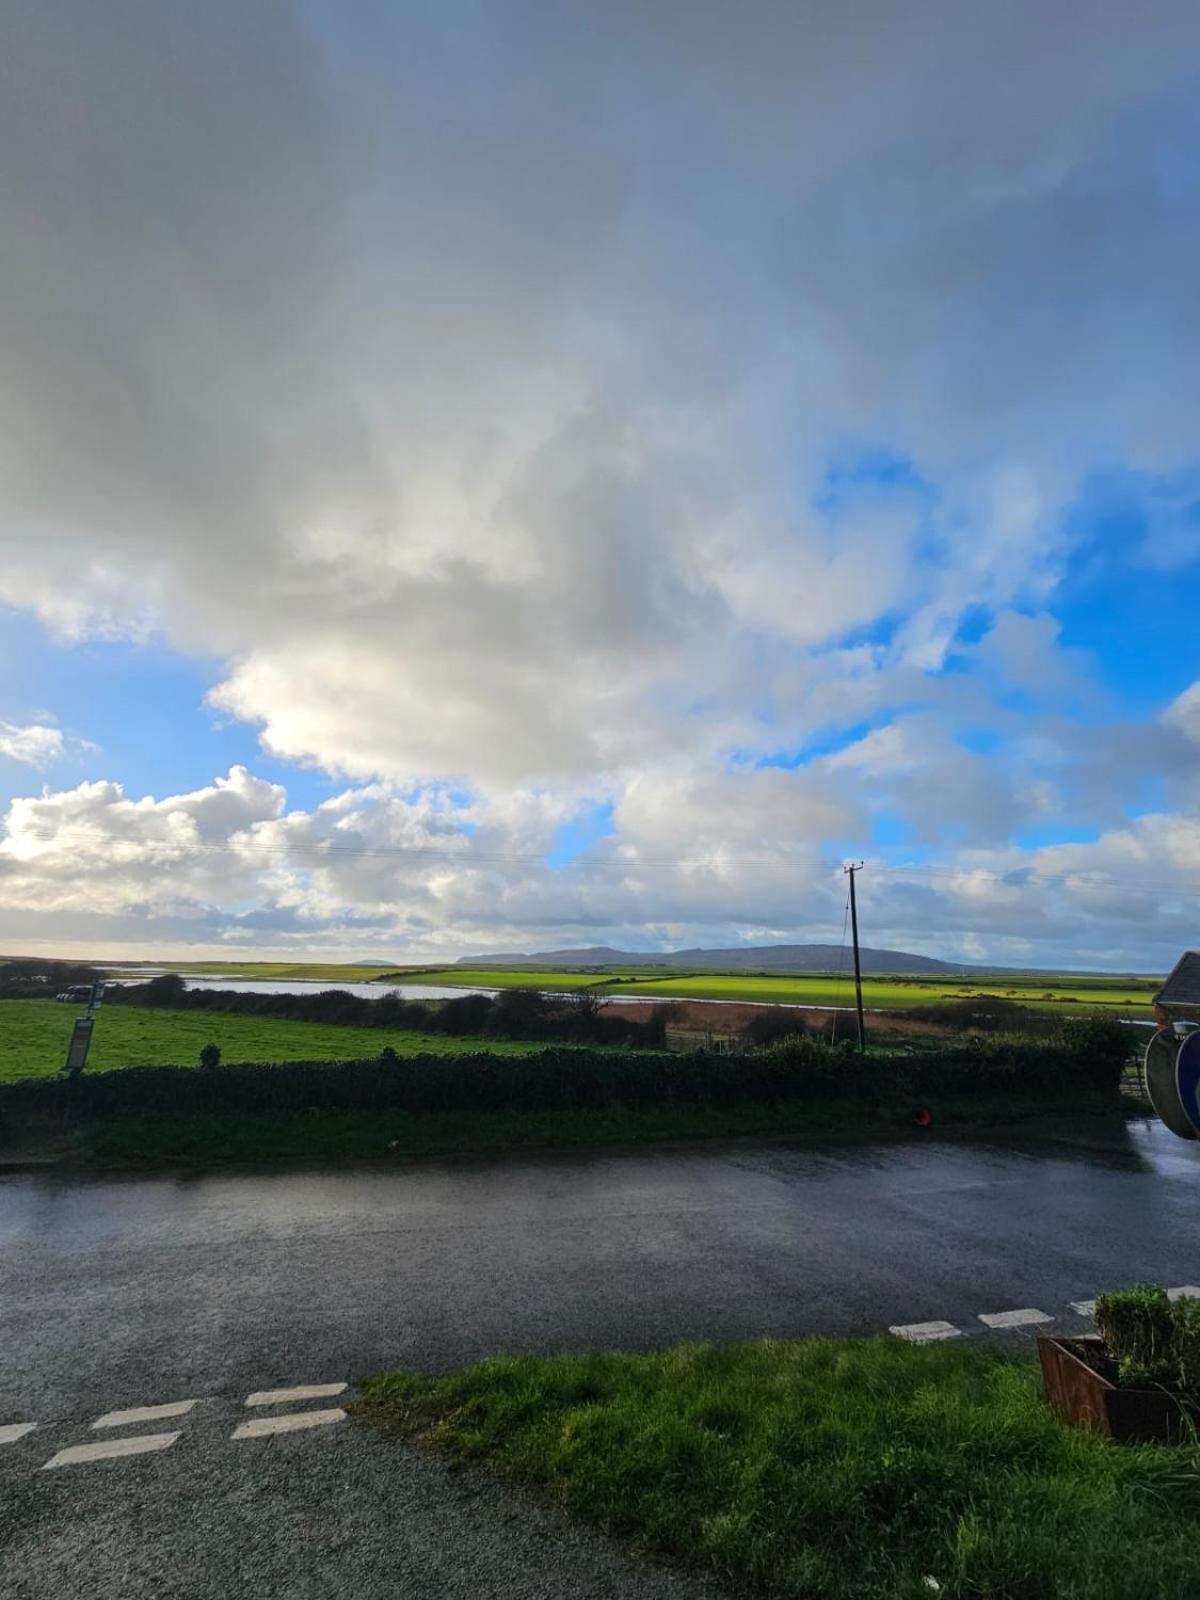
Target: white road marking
[121, 1419]
[925, 1332]
[9, 1431]
[1186, 1291]
[102, 1449]
[1013, 1319]
[1084, 1308]
[291, 1423]
[306, 1391]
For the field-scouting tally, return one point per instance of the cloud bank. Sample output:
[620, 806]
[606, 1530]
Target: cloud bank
[673, 410]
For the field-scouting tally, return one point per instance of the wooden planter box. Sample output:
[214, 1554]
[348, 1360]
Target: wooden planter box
[1087, 1399]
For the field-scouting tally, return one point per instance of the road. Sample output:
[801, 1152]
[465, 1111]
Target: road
[135, 1291]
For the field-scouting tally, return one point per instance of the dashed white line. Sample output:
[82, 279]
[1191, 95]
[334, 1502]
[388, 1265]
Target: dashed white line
[307, 1391]
[925, 1332]
[122, 1419]
[292, 1422]
[102, 1449]
[1013, 1319]
[1186, 1291]
[11, 1431]
[1084, 1308]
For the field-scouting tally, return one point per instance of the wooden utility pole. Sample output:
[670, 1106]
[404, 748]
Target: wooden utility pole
[852, 868]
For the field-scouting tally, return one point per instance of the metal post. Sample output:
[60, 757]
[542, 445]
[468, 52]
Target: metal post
[862, 1031]
[81, 1033]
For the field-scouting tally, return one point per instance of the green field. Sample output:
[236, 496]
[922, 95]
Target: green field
[1128, 995]
[34, 1036]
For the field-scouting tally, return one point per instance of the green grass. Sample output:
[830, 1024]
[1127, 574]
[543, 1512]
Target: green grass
[34, 1036]
[509, 978]
[1056, 994]
[1066, 994]
[826, 1469]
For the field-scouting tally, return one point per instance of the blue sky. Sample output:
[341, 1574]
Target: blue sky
[479, 487]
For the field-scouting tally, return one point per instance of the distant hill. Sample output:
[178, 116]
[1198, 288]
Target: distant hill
[760, 958]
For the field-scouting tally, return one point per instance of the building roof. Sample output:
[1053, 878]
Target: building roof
[1182, 988]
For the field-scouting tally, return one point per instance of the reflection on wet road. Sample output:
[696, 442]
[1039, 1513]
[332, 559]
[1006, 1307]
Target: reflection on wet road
[213, 1282]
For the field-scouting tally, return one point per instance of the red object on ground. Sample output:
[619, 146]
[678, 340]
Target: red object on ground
[924, 1118]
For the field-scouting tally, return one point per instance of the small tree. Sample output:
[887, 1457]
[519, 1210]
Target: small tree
[584, 1008]
[210, 1056]
[168, 989]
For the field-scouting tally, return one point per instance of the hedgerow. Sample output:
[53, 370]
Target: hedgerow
[1082, 1059]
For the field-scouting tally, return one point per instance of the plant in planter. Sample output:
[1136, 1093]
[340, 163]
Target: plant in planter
[1138, 1330]
[1140, 1379]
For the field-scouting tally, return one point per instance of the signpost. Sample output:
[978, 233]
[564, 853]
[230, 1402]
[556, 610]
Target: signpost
[81, 1034]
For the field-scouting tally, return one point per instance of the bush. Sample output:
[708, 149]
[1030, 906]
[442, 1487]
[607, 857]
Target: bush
[1098, 1048]
[773, 1026]
[521, 1013]
[1138, 1327]
[165, 990]
[987, 1013]
[1186, 1317]
[552, 1079]
[210, 1056]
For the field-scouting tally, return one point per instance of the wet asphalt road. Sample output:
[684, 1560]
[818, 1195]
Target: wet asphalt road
[114, 1290]
[119, 1291]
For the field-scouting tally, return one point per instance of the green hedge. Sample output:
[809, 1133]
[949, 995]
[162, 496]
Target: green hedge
[1080, 1060]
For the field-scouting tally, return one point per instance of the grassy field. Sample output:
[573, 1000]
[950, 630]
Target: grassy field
[826, 1469]
[1066, 994]
[1127, 995]
[34, 1036]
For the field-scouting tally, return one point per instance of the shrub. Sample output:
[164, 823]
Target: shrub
[1186, 1317]
[465, 1014]
[165, 990]
[1138, 1326]
[552, 1079]
[770, 1027]
[520, 1013]
[984, 1013]
[1098, 1048]
[210, 1056]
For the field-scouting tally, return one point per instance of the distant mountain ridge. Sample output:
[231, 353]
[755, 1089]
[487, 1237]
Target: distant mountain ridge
[759, 958]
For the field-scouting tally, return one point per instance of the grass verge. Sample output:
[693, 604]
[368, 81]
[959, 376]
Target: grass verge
[173, 1138]
[825, 1469]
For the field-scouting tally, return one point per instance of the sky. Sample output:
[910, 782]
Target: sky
[497, 477]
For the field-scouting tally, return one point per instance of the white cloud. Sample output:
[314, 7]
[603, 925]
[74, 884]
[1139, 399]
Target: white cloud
[1184, 712]
[488, 396]
[485, 443]
[36, 744]
[750, 858]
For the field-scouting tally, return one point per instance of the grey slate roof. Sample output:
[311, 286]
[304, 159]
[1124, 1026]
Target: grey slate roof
[1182, 988]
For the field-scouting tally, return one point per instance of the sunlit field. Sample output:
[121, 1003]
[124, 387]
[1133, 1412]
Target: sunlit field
[34, 1035]
[1127, 996]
